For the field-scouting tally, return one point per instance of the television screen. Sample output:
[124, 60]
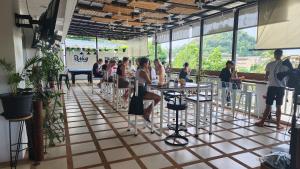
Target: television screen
[47, 21]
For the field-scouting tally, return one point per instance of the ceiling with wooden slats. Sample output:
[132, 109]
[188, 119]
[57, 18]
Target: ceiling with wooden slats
[126, 19]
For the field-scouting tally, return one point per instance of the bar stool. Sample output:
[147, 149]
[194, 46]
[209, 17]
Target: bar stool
[176, 139]
[119, 93]
[67, 82]
[171, 96]
[14, 153]
[108, 89]
[134, 122]
[205, 96]
[96, 78]
[247, 96]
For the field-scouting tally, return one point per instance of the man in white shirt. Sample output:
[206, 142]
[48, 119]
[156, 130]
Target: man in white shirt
[275, 88]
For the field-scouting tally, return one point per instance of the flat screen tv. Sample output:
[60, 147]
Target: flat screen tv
[47, 21]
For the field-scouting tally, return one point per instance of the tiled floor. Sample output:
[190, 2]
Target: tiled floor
[97, 138]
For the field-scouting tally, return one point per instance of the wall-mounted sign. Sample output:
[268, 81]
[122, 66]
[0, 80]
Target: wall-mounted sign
[80, 58]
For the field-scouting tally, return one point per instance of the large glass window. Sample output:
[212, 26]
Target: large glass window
[217, 49]
[185, 50]
[162, 50]
[249, 60]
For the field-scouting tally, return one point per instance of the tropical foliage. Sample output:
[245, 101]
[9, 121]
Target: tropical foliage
[161, 52]
[217, 49]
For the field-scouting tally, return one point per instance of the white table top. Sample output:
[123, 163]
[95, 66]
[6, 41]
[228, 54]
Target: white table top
[172, 86]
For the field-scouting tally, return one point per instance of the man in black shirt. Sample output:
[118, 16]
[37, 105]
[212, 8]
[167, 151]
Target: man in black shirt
[96, 68]
[225, 77]
[225, 74]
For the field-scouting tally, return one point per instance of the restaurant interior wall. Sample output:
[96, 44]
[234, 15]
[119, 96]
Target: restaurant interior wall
[11, 49]
[80, 60]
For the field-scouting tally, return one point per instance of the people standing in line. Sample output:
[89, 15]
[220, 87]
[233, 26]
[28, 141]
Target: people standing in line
[97, 68]
[275, 88]
[160, 71]
[185, 72]
[143, 77]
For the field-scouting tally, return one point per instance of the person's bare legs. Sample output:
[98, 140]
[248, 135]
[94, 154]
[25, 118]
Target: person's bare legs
[267, 111]
[278, 117]
[148, 110]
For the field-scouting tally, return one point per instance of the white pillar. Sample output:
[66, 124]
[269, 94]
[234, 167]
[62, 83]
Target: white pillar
[11, 50]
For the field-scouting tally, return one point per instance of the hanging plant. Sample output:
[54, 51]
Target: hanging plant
[106, 49]
[116, 50]
[100, 50]
[88, 51]
[94, 51]
[124, 48]
[77, 49]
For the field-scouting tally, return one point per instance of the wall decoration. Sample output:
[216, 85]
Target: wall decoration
[80, 57]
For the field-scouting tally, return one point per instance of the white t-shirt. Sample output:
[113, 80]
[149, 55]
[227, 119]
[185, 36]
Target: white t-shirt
[153, 74]
[273, 68]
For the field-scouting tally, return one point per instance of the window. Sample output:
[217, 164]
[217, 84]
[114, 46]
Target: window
[217, 49]
[249, 60]
[185, 50]
[217, 42]
[162, 50]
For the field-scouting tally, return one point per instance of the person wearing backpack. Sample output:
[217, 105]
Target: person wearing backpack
[275, 88]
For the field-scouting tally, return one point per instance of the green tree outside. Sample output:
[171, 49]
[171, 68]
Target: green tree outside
[214, 61]
[188, 53]
[162, 54]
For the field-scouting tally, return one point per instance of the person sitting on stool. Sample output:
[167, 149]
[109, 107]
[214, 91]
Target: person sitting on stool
[275, 89]
[185, 72]
[97, 68]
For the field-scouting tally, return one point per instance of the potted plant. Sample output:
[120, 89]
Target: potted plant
[17, 103]
[88, 50]
[94, 51]
[51, 65]
[39, 69]
[35, 127]
[124, 48]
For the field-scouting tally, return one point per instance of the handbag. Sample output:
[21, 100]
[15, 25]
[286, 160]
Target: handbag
[136, 106]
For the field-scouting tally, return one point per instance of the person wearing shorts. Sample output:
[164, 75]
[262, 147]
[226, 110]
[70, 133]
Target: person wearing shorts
[275, 90]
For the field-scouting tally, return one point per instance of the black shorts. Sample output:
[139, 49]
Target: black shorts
[275, 93]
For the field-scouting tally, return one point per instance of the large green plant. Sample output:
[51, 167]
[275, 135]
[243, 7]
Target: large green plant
[51, 63]
[40, 69]
[14, 78]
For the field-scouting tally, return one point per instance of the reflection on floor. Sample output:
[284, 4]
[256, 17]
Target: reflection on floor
[97, 138]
